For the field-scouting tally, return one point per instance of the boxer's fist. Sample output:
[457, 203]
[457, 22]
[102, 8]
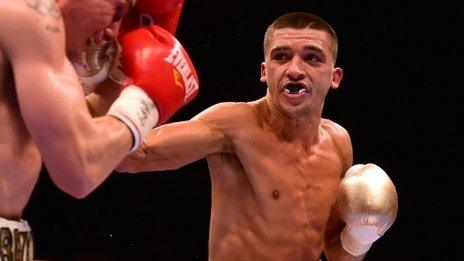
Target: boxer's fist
[155, 68]
[157, 62]
[164, 13]
[368, 203]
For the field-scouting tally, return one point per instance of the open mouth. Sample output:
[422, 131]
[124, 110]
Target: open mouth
[294, 88]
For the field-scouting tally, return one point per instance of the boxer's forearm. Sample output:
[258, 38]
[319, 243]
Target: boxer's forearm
[84, 163]
[174, 145]
[100, 101]
[333, 250]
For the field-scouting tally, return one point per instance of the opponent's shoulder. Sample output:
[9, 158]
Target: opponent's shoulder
[29, 24]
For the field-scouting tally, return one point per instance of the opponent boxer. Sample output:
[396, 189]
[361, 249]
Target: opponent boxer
[43, 109]
[276, 165]
[96, 65]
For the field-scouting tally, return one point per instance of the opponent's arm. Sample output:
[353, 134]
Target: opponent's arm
[79, 151]
[174, 145]
[99, 101]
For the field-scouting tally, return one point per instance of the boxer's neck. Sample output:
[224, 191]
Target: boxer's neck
[303, 130]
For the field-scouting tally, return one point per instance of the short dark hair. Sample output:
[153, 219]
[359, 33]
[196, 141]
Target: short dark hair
[301, 20]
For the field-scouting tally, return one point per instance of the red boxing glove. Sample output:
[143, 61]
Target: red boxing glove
[157, 6]
[164, 13]
[156, 62]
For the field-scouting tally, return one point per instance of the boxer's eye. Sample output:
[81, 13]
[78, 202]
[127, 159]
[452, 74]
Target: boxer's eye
[312, 58]
[280, 57]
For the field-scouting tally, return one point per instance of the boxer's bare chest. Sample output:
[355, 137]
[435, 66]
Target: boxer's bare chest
[288, 179]
[282, 196]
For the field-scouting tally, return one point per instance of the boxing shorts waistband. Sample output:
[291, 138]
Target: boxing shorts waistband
[16, 241]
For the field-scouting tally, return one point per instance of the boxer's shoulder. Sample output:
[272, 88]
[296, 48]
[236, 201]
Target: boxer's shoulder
[335, 130]
[37, 24]
[228, 110]
[340, 138]
[232, 119]
[30, 10]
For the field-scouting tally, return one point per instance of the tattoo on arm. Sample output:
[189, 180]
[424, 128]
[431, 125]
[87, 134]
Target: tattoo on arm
[46, 8]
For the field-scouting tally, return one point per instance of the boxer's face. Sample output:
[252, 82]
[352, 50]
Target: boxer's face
[299, 70]
[91, 18]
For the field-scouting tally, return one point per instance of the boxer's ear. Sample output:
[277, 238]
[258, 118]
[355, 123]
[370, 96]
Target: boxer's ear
[337, 75]
[263, 72]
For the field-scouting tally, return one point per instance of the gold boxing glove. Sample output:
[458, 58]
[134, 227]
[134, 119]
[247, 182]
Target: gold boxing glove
[95, 63]
[368, 203]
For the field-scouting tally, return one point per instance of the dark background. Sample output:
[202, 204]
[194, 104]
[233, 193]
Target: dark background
[398, 100]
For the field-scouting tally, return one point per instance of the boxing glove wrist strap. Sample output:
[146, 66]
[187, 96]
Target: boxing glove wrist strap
[137, 111]
[357, 240]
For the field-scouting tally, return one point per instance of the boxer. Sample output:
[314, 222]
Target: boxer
[44, 112]
[279, 188]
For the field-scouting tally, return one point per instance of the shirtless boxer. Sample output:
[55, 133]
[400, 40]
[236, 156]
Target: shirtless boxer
[43, 110]
[276, 166]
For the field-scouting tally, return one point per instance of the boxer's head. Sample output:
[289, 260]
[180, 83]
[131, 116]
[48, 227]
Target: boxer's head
[300, 50]
[300, 20]
[91, 18]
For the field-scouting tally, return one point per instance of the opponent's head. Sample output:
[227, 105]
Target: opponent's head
[300, 51]
[84, 19]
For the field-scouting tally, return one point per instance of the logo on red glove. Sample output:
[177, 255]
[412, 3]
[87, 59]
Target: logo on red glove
[177, 58]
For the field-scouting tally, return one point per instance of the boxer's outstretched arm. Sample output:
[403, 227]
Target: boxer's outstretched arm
[79, 151]
[176, 144]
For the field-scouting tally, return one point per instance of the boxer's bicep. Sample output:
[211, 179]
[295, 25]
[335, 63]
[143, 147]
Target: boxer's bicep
[47, 87]
[50, 102]
[174, 145]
